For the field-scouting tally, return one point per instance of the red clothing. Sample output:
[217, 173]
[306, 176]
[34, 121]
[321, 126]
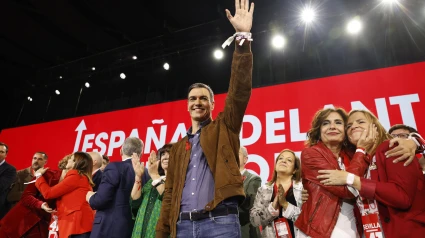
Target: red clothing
[27, 217]
[320, 212]
[75, 215]
[400, 193]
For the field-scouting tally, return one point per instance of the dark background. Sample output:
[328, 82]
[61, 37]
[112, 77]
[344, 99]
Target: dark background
[43, 40]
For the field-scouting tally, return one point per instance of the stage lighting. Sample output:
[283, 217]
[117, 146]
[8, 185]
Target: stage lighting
[87, 85]
[60, 77]
[354, 26]
[30, 99]
[93, 68]
[390, 1]
[134, 57]
[278, 42]
[218, 54]
[57, 92]
[307, 15]
[122, 75]
[166, 66]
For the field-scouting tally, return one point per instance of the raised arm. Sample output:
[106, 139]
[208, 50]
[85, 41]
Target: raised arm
[311, 162]
[240, 84]
[68, 184]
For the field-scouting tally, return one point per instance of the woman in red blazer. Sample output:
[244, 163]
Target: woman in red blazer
[397, 191]
[75, 216]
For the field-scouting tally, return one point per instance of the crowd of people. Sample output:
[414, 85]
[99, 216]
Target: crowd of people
[353, 179]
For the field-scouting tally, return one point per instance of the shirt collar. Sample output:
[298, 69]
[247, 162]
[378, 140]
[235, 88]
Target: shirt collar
[2, 162]
[203, 124]
[95, 171]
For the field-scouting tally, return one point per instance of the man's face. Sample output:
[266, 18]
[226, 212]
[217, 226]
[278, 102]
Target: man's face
[3, 153]
[199, 104]
[400, 133]
[242, 159]
[38, 161]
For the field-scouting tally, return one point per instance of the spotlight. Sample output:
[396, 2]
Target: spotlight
[134, 57]
[390, 1]
[87, 85]
[57, 92]
[60, 77]
[166, 66]
[218, 54]
[307, 15]
[278, 42]
[93, 68]
[30, 99]
[122, 76]
[354, 26]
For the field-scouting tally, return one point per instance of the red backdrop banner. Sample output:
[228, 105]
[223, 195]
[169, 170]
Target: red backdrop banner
[277, 117]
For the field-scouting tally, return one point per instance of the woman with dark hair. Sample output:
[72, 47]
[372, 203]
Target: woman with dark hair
[278, 203]
[392, 196]
[149, 198]
[329, 211]
[75, 216]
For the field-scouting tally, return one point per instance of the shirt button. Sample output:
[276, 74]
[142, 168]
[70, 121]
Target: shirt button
[194, 166]
[194, 155]
[193, 178]
[193, 193]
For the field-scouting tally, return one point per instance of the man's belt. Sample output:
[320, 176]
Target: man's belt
[199, 215]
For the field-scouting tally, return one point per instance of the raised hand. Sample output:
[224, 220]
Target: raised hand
[242, 20]
[368, 139]
[42, 170]
[281, 195]
[138, 166]
[153, 165]
[404, 149]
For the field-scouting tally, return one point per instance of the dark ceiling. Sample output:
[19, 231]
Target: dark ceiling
[53, 45]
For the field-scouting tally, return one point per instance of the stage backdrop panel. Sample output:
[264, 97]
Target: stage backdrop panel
[277, 117]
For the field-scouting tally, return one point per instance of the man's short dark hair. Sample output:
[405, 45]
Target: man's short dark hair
[202, 85]
[4, 144]
[403, 127]
[105, 157]
[43, 153]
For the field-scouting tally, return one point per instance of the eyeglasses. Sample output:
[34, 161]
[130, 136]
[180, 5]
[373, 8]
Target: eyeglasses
[401, 135]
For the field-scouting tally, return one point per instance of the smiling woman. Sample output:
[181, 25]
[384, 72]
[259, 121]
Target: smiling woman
[329, 211]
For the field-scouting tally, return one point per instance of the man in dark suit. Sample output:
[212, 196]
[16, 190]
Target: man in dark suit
[97, 172]
[251, 183]
[112, 199]
[7, 176]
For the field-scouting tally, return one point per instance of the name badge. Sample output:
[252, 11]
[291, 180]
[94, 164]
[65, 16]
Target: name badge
[371, 226]
[282, 228]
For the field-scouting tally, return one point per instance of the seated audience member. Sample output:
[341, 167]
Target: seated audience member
[7, 176]
[24, 176]
[403, 131]
[105, 161]
[148, 199]
[251, 183]
[75, 216]
[97, 173]
[32, 214]
[278, 203]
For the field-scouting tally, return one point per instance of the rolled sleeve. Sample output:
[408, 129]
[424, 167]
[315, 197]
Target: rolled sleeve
[273, 212]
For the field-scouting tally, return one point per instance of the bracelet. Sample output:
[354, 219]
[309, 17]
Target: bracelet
[242, 36]
[350, 179]
[360, 149]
